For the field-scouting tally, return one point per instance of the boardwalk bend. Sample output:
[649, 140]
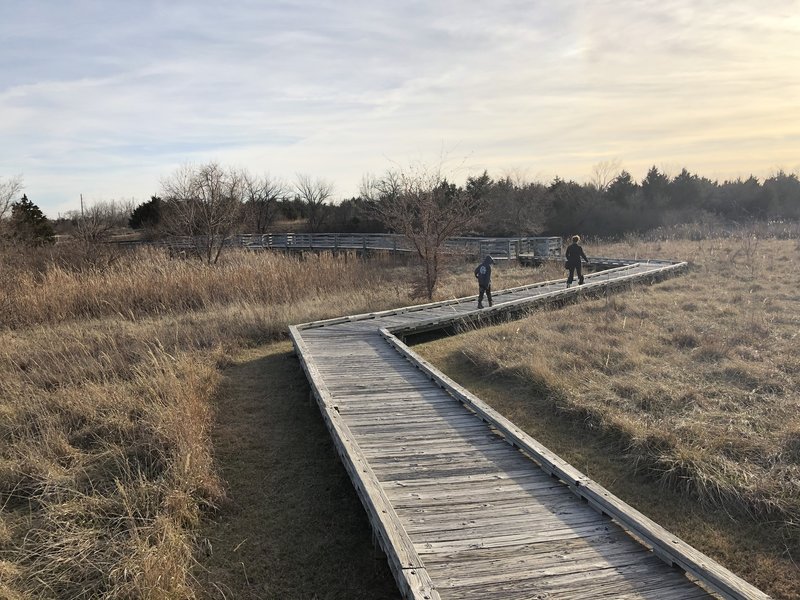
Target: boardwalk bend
[464, 503]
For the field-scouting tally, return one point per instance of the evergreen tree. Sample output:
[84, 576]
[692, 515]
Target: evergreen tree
[622, 189]
[29, 225]
[783, 191]
[147, 214]
[655, 188]
[741, 199]
[478, 187]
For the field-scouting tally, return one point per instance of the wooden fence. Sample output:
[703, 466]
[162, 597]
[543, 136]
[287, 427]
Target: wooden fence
[503, 248]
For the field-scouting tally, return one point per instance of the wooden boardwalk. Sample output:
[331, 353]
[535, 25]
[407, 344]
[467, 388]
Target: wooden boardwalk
[466, 505]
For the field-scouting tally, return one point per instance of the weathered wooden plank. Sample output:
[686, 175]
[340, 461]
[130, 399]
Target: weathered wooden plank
[368, 399]
[511, 539]
[393, 471]
[426, 423]
[487, 498]
[397, 387]
[353, 387]
[395, 430]
[440, 408]
[551, 499]
[627, 558]
[463, 460]
[642, 581]
[415, 428]
[420, 440]
[520, 474]
[411, 452]
[526, 528]
[432, 444]
[489, 511]
[532, 556]
[485, 504]
[472, 559]
[354, 364]
[410, 405]
[474, 490]
[458, 430]
[445, 456]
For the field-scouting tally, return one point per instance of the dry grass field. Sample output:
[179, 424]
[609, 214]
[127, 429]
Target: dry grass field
[148, 420]
[692, 386]
[109, 374]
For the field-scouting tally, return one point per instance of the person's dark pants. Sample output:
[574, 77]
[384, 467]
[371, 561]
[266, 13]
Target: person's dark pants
[488, 291]
[572, 270]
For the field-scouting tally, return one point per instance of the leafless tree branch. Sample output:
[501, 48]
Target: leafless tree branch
[9, 193]
[261, 196]
[420, 204]
[314, 193]
[204, 202]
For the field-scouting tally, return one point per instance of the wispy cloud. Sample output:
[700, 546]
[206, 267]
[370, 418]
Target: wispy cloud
[104, 98]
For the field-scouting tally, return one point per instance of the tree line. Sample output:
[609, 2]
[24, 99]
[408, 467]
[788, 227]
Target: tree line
[212, 200]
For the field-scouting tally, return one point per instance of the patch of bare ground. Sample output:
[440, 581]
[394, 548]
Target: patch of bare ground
[293, 526]
[682, 398]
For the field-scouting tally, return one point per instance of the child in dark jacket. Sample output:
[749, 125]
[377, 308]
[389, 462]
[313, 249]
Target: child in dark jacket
[483, 272]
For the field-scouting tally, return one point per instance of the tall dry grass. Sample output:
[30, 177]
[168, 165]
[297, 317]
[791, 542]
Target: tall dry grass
[108, 370]
[105, 461]
[147, 283]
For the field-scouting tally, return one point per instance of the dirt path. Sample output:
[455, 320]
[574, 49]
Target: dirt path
[293, 527]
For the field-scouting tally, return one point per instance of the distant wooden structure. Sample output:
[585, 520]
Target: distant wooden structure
[464, 503]
[499, 248]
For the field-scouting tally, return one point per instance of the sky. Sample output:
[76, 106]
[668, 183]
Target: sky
[106, 99]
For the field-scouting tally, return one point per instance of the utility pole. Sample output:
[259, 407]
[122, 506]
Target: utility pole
[81, 206]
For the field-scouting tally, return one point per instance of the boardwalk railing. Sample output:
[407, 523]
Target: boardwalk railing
[508, 248]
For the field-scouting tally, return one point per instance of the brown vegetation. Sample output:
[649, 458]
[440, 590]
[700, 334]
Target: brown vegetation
[696, 381]
[108, 367]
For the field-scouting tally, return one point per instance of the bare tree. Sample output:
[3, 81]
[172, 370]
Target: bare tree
[204, 203]
[313, 194]
[261, 195]
[420, 204]
[94, 223]
[9, 192]
[373, 189]
[603, 173]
